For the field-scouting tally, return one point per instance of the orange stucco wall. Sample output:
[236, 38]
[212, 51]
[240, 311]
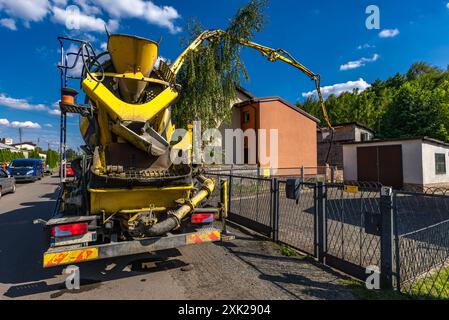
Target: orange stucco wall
[297, 144]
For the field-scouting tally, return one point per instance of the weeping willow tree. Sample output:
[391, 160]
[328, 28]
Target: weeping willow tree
[212, 73]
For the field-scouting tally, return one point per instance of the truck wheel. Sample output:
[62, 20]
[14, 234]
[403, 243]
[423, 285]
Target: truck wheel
[13, 188]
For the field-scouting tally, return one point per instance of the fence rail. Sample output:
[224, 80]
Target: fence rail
[351, 226]
[306, 174]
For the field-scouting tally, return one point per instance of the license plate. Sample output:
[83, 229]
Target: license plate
[205, 236]
[67, 257]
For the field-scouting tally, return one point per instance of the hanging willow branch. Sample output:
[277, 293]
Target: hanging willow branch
[212, 73]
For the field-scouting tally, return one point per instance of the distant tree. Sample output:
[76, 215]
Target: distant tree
[414, 104]
[211, 73]
[419, 69]
[7, 155]
[71, 154]
[418, 111]
[52, 158]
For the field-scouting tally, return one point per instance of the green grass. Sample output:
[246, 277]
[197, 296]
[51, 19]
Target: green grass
[435, 286]
[361, 292]
[291, 252]
[288, 252]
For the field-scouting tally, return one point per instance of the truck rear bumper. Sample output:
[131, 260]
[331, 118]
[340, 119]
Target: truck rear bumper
[63, 256]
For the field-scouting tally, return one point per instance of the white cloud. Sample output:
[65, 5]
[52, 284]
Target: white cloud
[54, 112]
[85, 21]
[389, 33]
[23, 104]
[87, 8]
[163, 16]
[358, 63]
[8, 23]
[365, 46]
[159, 59]
[48, 125]
[104, 46]
[19, 124]
[27, 10]
[93, 14]
[123, 8]
[447, 5]
[61, 3]
[19, 104]
[339, 88]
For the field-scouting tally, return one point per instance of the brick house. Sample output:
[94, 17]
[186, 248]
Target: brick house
[297, 130]
[343, 133]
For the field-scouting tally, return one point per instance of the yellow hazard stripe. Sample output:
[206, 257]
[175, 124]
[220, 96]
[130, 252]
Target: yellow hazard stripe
[72, 256]
[203, 237]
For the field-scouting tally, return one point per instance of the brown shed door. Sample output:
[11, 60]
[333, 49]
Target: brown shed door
[367, 164]
[382, 164]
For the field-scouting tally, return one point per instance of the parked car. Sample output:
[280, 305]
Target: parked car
[48, 171]
[7, 183]
[26, 169]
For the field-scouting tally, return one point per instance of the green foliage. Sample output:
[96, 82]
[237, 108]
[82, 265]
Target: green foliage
[210, 74]
[71, 154]
[34, 154]
[411, 105]
[288, 252]
[52, 158]
[7, 155]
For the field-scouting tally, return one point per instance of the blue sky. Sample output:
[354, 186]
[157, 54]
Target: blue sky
[330, 37]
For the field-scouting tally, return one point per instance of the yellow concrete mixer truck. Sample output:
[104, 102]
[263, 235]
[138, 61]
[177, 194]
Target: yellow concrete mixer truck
[128, 197]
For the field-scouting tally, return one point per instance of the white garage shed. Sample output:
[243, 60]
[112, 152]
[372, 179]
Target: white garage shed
[401, 163]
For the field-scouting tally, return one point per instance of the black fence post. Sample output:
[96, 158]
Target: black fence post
[321, 223]
[386, 238]
[275, 208]
[230, 188]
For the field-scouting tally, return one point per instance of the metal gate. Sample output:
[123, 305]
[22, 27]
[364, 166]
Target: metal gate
[352, 227]
[296, 224]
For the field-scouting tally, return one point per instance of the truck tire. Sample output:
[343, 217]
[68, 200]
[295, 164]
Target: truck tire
[13, 190]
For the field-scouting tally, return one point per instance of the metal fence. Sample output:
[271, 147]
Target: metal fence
[306, 174]
[353, 242]
[352, 227]
[422, 230]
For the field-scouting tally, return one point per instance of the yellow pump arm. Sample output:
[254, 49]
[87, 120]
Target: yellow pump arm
[271, 54]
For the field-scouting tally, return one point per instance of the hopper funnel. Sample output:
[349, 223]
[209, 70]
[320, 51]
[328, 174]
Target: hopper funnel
[132, 54]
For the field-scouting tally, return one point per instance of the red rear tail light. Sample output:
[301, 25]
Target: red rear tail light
[202, 217]
[67, 230]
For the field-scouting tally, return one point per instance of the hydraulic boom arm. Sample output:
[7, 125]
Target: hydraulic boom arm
[271, 54]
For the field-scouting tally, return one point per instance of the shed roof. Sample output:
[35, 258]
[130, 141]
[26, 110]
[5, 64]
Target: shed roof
[354, 123]
[422, 139]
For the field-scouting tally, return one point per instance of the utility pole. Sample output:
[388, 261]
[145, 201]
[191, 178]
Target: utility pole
[20, 134]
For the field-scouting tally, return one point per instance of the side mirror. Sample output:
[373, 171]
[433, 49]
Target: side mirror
[292, 189]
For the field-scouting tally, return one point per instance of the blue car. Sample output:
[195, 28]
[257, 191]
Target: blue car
[26, 169]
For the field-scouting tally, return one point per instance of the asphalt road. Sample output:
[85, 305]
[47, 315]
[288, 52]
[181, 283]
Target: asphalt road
[246, 268]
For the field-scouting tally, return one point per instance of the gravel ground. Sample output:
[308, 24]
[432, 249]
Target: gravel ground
[251, 268]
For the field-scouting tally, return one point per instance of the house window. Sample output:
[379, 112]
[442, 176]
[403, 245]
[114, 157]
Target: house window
[364, 136]
[245, 117]
[440, 163]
